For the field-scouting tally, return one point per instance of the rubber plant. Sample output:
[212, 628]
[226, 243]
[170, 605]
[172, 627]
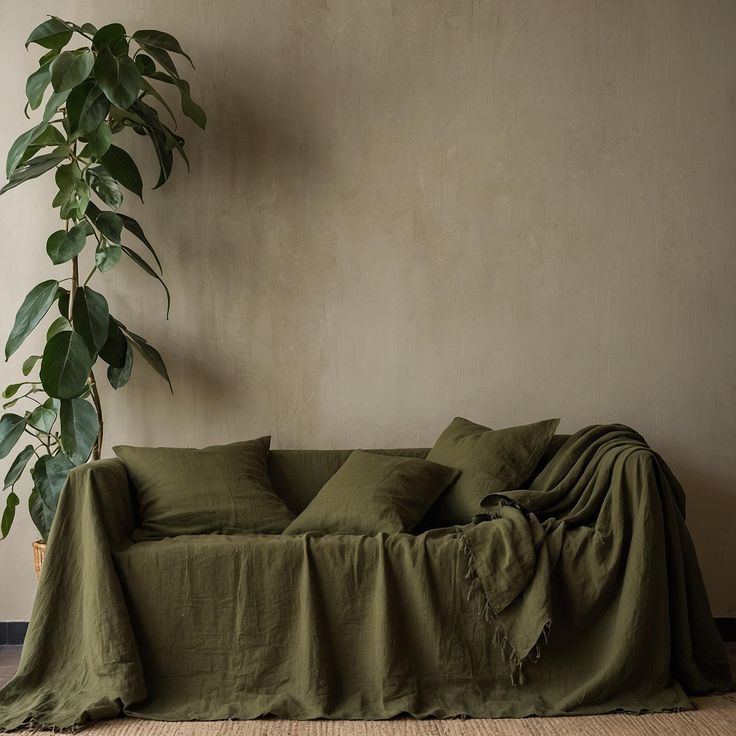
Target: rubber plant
[100, 83]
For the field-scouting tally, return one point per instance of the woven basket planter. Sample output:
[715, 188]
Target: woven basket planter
[39, 552]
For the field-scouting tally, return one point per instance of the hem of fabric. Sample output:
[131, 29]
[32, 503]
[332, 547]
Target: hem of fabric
[524, 712]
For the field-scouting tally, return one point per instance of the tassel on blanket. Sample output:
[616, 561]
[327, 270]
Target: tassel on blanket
[486, 613]
[36, 725]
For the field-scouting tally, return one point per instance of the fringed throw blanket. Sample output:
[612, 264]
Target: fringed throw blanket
[602, 565]
[581, 594]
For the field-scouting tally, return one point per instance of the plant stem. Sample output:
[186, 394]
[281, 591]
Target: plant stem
[97, 452]
[74, 286]
[91, 274]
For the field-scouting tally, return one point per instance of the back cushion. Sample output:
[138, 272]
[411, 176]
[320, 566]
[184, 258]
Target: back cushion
[220, 489]
[374, 492]
[297, 475]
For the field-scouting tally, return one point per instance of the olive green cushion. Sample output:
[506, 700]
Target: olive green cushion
[489, 461]
[220, 489]
[373, 493]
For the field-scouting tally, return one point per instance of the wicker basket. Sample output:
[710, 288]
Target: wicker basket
[39, 552]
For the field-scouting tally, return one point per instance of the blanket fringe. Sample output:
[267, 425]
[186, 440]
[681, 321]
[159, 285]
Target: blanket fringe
[486, 612]
[34, 724]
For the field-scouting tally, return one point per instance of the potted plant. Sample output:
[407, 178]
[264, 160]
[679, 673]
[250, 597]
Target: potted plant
[96, 83]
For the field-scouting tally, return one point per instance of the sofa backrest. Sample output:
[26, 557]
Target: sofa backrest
[297, 475]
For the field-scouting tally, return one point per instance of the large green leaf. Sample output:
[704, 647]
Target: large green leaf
[119, 163]
[110, 225]
[133, 227]
[87, 108]
[63, 295]
[150, 39]
[164, 59]
[68, 175]
[18, 466]
[13, 388]
[49, 475]
[151, 90]
[115, 349]
[50, 137]
[145, 64]
[157, 134]
[86, 29]
[149, 354]
[107, 255]
[55, 101]
[41, 514]
[76, 201]
[60, 324]
[36, 85]
[65, 365]
[90, 317]
[11, 429]
[99, 140]
[188, 106]
[31, 169]
[29, 362]
[44, 415]
[118, 377]
[79, 429]
[9, 514]
[74, 104]
[17, 149]
[48, 57]
[111, 36]
[62, 246]
[70, 68]
[119, 78]
[31, 312]
[142, 263]
[51, 34]
[105, 186]
[74, 192]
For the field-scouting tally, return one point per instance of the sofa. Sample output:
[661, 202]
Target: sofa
[578, 593]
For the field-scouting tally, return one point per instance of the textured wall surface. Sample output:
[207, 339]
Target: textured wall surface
[403, 211]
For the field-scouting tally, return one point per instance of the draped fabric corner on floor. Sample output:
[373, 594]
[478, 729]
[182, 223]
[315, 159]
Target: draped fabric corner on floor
[581, 594]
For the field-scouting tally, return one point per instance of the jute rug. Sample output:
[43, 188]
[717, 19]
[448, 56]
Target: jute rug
[715, 716]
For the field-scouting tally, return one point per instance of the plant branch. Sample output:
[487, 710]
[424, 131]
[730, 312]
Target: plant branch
[97, 452]
[91, 274]
[74, 286]
[92, 226]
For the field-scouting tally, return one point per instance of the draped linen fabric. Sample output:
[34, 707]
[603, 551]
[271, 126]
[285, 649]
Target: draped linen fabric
[580, 594]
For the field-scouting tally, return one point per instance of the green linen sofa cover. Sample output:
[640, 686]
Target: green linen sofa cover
[579, 594]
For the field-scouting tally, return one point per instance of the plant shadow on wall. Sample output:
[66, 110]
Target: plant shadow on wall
[267, 153]
[98, 89]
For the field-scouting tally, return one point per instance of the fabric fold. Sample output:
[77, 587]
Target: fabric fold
[80, 660]
[607, 517]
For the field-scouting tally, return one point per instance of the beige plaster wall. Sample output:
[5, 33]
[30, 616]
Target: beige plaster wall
[403, 211]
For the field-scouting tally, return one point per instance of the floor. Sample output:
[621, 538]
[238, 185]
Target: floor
[9, 658]
[715, 716]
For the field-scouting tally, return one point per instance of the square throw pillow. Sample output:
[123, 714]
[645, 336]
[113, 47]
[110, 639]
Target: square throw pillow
[373, 493]
[222, 489]
[489, 461]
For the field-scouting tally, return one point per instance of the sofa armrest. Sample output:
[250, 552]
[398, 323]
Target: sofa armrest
[104, 483]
